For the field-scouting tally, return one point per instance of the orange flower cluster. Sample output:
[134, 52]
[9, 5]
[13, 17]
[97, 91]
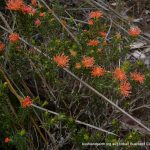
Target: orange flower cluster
[19, 5]
[103, 34]
[2, 46]
[98, 71]
[120, 75]
[125, 88]
[124, 85]
[95, 14]
[88, 62]
[138, 77]
[37, 22]
[90, 22]
[14, 37]
[26, 102]
[42, 14]
[14, 4]
[7, 139]
[134, 31]
[93, 43]
[28, 10]
[61, 60]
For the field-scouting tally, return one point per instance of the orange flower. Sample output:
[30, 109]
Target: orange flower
[103, 34]
[93, 43]
[14, 37]
[28, 10]
[120, 75]
[98, 71]
[73, 53]
[37, 22]
[42, 14]
[61, 60]
[34, 3]
[96, 14]
[2, 46]
[26, 102]
[138, 77]
[7, 139]
[14, 4]
[88, 61]
[77, 65]
[125, 88]
[134, 31]
[90, 22]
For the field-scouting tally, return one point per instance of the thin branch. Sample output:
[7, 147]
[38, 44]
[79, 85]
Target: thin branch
[77, 121]
[5, 22]
[10, 86]
[140, 107]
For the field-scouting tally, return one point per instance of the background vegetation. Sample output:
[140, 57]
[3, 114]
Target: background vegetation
[66, 78]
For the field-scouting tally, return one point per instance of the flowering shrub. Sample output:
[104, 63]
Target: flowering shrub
[67, 81]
